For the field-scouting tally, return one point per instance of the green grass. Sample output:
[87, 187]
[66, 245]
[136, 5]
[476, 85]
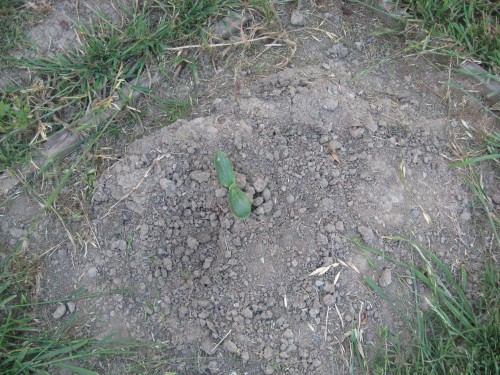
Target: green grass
[12, 16]
[89, 79]
[456, 29]
[466, 28]
[486, 150]
[455, 335]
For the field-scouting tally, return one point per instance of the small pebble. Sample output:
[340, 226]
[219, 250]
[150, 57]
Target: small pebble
[259, 186]
[268, 353]
[71, 307]
[386, 278]
[288, 334]
[230, 346]
[59, 313]
[92, 272]
[297, 18]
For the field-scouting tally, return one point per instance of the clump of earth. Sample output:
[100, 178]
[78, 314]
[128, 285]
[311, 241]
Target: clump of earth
[324, 160]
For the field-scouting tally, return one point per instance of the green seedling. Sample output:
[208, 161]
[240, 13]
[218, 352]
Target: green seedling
[238, 201]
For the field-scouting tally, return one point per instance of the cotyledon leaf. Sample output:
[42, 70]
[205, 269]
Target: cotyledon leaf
[224, 169]
[240, 203]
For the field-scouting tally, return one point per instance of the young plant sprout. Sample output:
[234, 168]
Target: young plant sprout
[238, 201]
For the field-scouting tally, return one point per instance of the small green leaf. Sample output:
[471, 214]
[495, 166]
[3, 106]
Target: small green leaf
[224, 169]
[240, 203]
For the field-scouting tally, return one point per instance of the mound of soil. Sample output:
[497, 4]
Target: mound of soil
[322, 164]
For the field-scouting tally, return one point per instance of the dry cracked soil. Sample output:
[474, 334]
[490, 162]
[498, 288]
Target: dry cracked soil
[325, 155]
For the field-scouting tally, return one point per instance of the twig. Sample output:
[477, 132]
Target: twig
[228, 44]
[220, 342]
[326, 325]
[340, 316]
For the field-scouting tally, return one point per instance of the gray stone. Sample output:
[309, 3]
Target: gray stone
[230, 346]
[329, 287]
[288, 334]
[168, 186]
[368, 123]
[266, 194]
[367, 234]
[247, 313]
[60, 312]
[329, 300]
[92, 272]
[327, 204]
[338, 50]
[221, 192]
[231, 24]
[385, 278]
[213, 367]
[465, 216]
[167, 263]
[119, 245]
[259, 185]
[297, 18]
[357, 132]
[70, 306]
[331, 105]
[268, 353]
[330, 228]
[205, 280]
[495, 198]
[200, 176]
[207, 263]
[192, 243]
[207, 346]
[339, 225]
[322, 239]
[335, 145]
[258, 201]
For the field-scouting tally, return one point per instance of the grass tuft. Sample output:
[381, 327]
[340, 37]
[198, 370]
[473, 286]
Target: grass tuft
[467, 28]
[487, 151]
[89, 79]
[12, 15]
[455, 335]
[28, 346]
